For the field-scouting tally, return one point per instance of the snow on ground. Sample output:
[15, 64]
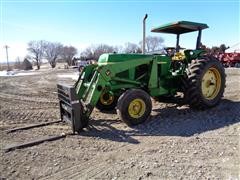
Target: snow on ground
[73, 76]
[16, 73]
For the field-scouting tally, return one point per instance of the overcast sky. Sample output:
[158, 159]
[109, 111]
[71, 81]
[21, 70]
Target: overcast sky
[82, 23]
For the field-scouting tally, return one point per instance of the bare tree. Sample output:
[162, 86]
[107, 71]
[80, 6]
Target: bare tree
[223, 48]
[153, 43]
[36, 50]
[132, 48]
[17, 64]
[88, 53]
[67, 54]
[52, 52]
[93, 52]
[215, 50]
[101, 49]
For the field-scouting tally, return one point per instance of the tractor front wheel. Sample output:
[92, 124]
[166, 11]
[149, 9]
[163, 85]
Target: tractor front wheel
[206, 83]
[107, 102]
[134, 107]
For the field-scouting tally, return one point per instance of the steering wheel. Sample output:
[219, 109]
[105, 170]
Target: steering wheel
[170, 51]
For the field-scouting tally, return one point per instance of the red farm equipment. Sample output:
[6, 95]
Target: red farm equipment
[230, 59]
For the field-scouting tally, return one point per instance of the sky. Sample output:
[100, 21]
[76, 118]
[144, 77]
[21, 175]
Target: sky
[82, 23]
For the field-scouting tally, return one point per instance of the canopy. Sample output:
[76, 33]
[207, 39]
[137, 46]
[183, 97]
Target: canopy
[180, 27]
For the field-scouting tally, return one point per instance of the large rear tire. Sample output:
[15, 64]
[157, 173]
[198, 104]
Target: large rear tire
[205, 83]
[134, 107]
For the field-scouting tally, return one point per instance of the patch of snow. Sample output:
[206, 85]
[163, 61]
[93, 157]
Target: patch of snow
[25, 74]
[16, 73]
[73, 76]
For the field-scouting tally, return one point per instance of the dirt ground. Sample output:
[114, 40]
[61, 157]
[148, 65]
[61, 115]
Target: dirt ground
[175, 143]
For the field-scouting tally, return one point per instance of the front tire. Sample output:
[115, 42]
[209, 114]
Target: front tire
[205, 83]
[134, 107]
[107, 102]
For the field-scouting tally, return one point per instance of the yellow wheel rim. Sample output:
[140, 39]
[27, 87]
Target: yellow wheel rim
[136, 108]
[106, 99]
[211, 83]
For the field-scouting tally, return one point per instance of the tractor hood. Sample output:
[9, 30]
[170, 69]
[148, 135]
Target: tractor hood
[112, 58]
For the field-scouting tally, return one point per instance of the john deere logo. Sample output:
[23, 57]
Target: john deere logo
[108, 72]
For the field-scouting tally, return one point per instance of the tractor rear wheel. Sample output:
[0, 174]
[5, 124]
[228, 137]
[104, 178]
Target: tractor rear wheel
[107, 102]
[205, 83]
[134, 107]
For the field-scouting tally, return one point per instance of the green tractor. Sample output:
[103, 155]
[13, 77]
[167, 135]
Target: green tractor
[126, 82]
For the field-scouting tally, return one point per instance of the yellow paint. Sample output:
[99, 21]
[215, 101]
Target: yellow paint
[106, 99]
[137, 108]
[211, 83]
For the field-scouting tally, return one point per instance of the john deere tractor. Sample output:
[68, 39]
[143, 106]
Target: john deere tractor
[126, 82]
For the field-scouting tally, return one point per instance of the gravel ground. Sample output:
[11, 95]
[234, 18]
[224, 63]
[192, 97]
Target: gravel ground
[175, 143]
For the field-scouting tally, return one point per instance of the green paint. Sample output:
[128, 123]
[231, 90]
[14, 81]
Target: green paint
[180, 27]
[156, 74]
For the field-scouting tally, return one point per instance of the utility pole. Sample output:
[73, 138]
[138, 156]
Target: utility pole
[6, 47]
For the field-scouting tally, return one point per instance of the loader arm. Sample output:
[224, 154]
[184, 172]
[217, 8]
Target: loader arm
[106, 76]
[94, 79]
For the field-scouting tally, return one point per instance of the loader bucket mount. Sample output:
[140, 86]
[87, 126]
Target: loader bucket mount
[71, 108]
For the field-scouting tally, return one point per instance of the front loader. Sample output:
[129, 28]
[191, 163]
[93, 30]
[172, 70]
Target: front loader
[126, 82]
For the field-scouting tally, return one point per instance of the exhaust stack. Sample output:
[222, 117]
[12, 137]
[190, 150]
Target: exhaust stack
[144, 33]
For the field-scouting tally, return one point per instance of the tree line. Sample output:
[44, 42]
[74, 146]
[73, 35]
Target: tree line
[55, 51]
[215, 50]
[51, 51]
